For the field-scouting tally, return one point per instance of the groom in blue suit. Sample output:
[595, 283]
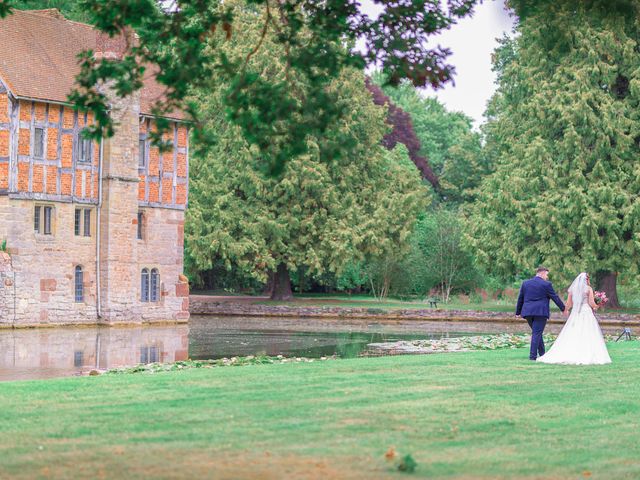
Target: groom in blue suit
[533, 304]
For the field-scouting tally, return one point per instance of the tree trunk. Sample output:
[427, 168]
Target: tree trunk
[268, 288]
[282, 284]
[606, 282]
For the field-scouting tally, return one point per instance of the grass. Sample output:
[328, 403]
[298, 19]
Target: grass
[482, 415]
[628, 296]
[365, 301]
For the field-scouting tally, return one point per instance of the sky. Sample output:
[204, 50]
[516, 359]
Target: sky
[472, 41]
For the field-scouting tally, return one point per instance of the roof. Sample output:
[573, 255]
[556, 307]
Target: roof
[40, 61]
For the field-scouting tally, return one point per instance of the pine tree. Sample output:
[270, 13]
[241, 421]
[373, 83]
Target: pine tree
[565, 129]
[346, 198]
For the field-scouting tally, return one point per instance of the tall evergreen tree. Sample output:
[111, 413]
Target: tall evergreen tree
[565, 127]
[345, 198]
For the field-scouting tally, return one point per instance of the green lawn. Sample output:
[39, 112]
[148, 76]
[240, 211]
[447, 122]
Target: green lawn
[491, 305]
[367, 301]
[465, 415]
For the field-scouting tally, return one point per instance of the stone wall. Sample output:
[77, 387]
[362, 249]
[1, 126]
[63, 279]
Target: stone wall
[122, 255]
[44, 266]
[161, 247]
[118, 247]
[6, 288]
[201, 305]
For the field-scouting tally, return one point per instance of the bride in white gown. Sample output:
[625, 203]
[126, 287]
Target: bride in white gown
[580, 342]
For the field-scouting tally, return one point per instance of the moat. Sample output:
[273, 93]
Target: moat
[66, 351]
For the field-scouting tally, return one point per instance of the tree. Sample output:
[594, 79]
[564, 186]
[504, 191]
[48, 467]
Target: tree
[437, 257]
[174, 39]
[565, 127]
[445, 140]
[319, 214]
[402, 132]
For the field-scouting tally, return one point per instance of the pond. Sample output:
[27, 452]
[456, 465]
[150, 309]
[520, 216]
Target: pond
[54, 352]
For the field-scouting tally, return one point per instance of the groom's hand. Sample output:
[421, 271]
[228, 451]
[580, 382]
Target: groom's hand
[565, 312]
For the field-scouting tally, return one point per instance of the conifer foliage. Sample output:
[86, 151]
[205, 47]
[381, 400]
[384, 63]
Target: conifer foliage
[346, 198]
[565, 129]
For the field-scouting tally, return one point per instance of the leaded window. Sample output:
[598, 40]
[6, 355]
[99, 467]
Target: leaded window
[48, 211]
[38, 142]
[144, 285]
[77, 220]
[140, 224]
[78, 358]
[84, 149]
[79, 285]
[36, 218]
[87, 222]
[149, 354]
[155, 285]
[142, 153]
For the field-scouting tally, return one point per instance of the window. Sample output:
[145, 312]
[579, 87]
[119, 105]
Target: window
[77, 220]
[149, 354]
[82, 222]
[78, 358]
[36, 218]
[84, 149]
[43, 219]
[47, 220]
[79, 287]
[140, 220]
[155, 286]
[144, 285]
[87, 222]
[38, 142]
[142, 153]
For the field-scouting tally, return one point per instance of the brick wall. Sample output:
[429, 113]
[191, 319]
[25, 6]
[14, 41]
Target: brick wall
[163, 178]
[57, 175]
[5, 128]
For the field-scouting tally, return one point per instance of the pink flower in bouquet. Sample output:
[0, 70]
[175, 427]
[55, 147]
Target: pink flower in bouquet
[600, 298]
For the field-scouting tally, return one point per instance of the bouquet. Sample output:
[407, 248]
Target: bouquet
[600, 298]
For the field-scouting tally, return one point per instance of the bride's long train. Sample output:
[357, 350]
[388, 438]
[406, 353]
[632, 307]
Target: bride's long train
[580, 342]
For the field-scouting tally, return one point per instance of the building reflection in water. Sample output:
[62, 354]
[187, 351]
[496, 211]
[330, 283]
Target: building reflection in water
[44, 353]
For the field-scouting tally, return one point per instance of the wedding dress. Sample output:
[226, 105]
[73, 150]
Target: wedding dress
[580, 342]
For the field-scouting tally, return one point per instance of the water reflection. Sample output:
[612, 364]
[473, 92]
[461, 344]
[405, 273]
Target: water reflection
[54, 352]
